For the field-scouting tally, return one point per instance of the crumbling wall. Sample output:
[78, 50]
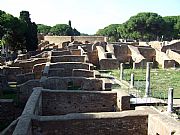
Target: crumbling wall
[173, 46]
[122, 53]
[173, 54]
[164, 60]
[64, 102]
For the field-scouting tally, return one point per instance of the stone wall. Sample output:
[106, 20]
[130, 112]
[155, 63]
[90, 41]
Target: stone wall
[11, 72]
[67, 58]
[148, 53]
[64, 102]
[25, 90]
[61, 39]
[122, 53]
[164, 60]
[57, 39]
[83, 73]
[104, 61]
[173, 54]
[59, 53]
[108, 64]
[173, 46]
[69, 66]
[37, 70]
[90, 39]
[123, 100]
[138, 59]
[159, 124]
[22, 78]
[123, 123]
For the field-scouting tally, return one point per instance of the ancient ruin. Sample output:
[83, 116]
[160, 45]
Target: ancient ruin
[62, 91]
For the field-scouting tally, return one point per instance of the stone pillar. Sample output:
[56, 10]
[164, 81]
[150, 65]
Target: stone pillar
[147, 90]
[132, 81]
[170, 100]
[134, 65]
[121, 71]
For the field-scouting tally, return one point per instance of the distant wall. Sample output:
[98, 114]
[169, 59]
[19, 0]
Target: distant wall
[60, 39]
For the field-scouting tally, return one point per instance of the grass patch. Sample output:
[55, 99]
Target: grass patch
[161, 80]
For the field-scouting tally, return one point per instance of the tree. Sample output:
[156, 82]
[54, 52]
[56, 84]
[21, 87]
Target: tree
[172, 29]
[144, 26]
[111, 31]
[69, 23]
[30, 32]
[43, 28]
[76, 33]
[62, 30]
[12, 28]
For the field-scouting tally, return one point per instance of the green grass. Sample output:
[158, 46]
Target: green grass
[161, 80]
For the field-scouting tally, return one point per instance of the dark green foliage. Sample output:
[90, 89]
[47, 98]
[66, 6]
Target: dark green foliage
[172, 27]
[143, 26]
[11, 31]
[43, 28]
[111, 31]
[64, 30]
[30, 31]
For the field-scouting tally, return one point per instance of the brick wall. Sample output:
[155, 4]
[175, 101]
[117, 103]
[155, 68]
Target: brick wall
[164, 60]
[67, 58]
[61, 39]
[124, 123]
[69, 66]
[83, 73]
[64, 102]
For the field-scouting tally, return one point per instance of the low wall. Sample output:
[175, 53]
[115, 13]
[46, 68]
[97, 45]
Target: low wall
[159, 124]
[83, 73]
[60, 39]
[25, 90]
[69, 66]
[22, 78]
[37, 70]
[118, 123]
[122, 53]
[11, 72]
[64, 102]
[59, 53]
[108, 64]
[67, 58]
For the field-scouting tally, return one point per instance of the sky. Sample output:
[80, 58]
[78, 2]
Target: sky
[87, 16]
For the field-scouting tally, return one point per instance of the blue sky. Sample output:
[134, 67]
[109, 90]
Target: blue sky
[87, 16]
